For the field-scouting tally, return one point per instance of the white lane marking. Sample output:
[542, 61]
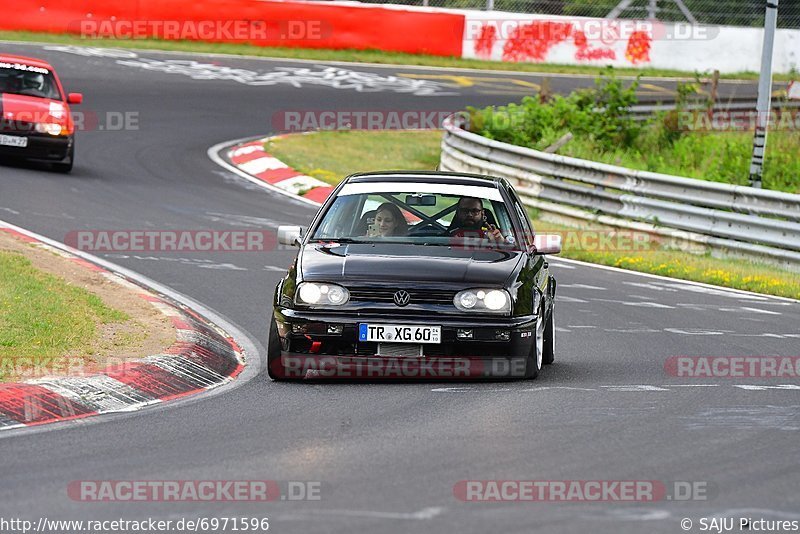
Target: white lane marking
[749, 417]
[754, 387]
[635, 515]
[273, 268]
[235, 219]
[696, 332]
[645, 304]
[756, 310]
[15, 212]
[581, 326]
[562, 329]
[420, 515]
[564, 266]
[709, 291]
[126, 52]
[197, 262]
[634, 387]
[563, 298]
[297, 77]
[654, 287]
[91, 51]
[620, 388]
[222, 266]
[681, 284]
[583, 286]
[631, 330]
[557, 387]
[690, 385]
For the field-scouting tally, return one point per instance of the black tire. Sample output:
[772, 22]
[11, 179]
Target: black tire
[533, 362]
[65, 165]
[549, 355]
[275, 368]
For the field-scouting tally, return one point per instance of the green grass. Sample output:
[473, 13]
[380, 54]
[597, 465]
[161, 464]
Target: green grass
[722, 157]
[43, 318]
[362, 56]
[678, 142]
[333, 155]
[738, 274]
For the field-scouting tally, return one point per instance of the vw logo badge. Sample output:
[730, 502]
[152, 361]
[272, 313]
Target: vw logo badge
[402, 298]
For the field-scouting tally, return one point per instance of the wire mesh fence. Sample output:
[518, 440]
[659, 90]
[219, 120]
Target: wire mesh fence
[725, 12]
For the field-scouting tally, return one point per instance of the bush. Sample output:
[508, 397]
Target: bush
[599, 118]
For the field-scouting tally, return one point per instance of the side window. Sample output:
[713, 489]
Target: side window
[523, 216]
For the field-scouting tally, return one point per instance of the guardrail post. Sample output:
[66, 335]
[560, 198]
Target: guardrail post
[764, 95]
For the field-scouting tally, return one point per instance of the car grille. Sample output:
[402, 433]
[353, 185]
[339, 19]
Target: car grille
[418, 296]
[22, 127]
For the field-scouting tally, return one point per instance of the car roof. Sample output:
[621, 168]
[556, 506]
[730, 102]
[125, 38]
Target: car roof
[439, 177]
[26, 61]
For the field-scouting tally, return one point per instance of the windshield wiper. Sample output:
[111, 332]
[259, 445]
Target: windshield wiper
[338, 240]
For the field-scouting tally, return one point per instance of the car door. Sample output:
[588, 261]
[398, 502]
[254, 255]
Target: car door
[536, 264]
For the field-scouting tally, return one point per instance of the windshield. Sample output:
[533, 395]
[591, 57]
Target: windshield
[21, 79]
[404, 214]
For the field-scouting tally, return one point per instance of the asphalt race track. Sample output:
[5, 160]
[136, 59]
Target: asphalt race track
[387, 455]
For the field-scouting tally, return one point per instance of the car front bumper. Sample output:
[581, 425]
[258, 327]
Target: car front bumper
[326, 345]
[40, 147]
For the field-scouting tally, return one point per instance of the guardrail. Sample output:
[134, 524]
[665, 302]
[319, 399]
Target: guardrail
[644, 111]
[744, 220]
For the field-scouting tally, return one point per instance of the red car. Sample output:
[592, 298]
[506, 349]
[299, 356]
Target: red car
[35, 120]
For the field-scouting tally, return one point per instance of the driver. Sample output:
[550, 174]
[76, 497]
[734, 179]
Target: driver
[33, 81]
[470, 221]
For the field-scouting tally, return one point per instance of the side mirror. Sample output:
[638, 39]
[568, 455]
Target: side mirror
[290, 235]
[74, 98]
[547, 243]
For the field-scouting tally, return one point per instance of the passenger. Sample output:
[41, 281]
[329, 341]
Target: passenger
[389, 221]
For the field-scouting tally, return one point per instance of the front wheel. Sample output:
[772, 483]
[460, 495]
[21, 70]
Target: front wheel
[275, 368]
[533, 363]
[66, 164]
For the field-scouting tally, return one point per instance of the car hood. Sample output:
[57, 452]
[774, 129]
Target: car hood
[24, 108]
[382, 263]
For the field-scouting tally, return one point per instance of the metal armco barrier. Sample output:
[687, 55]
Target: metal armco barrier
[751, 222]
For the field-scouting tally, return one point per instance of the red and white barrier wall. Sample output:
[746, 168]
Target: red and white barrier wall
[622, 43]
[316, 25]
[494, 35]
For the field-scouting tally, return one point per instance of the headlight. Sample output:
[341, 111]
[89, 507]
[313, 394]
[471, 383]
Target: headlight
[316, 294]
[483, 300]
[48, 127]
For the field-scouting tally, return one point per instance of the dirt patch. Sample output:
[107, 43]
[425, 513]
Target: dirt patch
[148, 331]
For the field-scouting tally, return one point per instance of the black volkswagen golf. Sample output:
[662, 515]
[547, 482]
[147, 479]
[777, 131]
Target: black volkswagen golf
[415, 275]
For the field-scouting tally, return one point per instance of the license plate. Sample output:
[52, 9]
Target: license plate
[399, 333]
[13, 140]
